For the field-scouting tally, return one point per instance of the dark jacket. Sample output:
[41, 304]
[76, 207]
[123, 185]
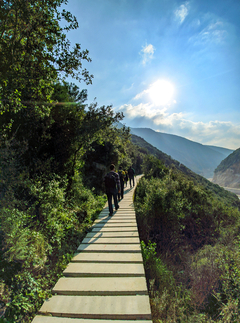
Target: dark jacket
[131, 172]
[117, 186]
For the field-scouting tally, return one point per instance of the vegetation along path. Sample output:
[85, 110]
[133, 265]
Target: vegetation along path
[105, 281]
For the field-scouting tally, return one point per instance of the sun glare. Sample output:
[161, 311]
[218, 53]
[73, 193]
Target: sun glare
[161, 92]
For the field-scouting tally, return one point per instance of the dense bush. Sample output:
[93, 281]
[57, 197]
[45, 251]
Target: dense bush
[50, 143]
[37, 243]
[190, 243]
[46, 209]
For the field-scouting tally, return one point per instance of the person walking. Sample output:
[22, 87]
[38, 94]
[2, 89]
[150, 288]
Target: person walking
[131, 173]
[121, 174]
[112, 185]
[126, 177]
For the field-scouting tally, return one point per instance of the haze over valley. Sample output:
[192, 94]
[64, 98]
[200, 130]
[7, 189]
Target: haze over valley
[201, 159]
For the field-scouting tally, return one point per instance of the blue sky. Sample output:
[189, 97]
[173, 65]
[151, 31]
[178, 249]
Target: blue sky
[173, 66]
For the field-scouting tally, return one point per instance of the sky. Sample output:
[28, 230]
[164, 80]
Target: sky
[172, 66]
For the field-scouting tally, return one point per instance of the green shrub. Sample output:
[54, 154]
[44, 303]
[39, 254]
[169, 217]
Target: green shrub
[155, 269]
[169, 302]
[190, 249]
[27, 294]
[19, 243]
[38, 243]
[205, 279]
[215, 280]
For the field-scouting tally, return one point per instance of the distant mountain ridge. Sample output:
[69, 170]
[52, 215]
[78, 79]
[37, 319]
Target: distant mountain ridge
[227, 174]
[144, 146]
[201, 159]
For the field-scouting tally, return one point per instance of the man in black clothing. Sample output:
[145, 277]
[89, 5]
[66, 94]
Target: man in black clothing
[126, 177]
[112, 185]
[131, 173]
[121, 176]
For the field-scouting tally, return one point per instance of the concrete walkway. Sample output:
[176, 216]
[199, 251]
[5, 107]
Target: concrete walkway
[105, 281]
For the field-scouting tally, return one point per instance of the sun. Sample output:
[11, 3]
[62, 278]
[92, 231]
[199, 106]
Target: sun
[161, 92]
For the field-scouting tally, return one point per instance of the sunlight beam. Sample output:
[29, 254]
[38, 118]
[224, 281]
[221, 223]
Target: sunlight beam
[161, 92]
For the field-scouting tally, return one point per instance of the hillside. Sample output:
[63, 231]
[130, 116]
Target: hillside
[190, 244]
[227, 173]
[219, 192]
[201, 159]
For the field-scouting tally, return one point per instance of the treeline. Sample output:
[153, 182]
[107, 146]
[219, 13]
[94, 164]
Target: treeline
[51, 192]
[54, 150]
[190, 242]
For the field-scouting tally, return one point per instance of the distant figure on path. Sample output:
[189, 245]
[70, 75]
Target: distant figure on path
[121, 174]
[112, 185]
[131, 173]
[126, 177]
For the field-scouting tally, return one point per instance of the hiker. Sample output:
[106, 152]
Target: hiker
[126, 177]
[131, 173]
[112, 185]
[121, 174]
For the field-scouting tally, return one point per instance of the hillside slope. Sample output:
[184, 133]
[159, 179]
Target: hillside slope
[219, 192]
[227, 174]
[201, 159]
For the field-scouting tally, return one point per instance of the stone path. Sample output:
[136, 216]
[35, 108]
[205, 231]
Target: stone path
[105, 281]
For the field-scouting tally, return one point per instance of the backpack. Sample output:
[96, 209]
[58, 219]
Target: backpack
[121, 174]
[110, 181]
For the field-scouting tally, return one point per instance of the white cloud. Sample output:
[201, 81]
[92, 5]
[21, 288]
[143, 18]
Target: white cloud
[149, 112]
[147, 53]
[214, 33]
[140, 95]
[169, 120]
[145, 110]
[218, 133]
[182, 12]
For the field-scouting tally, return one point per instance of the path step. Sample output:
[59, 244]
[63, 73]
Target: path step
[110, 234]
[100, 269]
[115, 219]
[119, 213]
[130, 307]
[114, 225]
[51, 319]
[111, 257]
[115, 229]
[105, 281]
[101, 286]
[84, 247]
[113, 240]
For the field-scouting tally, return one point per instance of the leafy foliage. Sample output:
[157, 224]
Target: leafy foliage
[49, 136]
[35, 49]
[47, 204]
[190, 247]
[37, 244]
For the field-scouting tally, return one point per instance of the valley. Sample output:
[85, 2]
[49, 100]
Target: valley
[201, 159]
[233, 190]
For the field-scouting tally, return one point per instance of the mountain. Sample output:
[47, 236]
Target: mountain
[219, 192]
[220, 149]
[227, 173]
[201, 159]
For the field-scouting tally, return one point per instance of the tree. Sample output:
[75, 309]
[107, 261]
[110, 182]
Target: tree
[58, 142]
[35, 55]
[109, 147]
[35, 52]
